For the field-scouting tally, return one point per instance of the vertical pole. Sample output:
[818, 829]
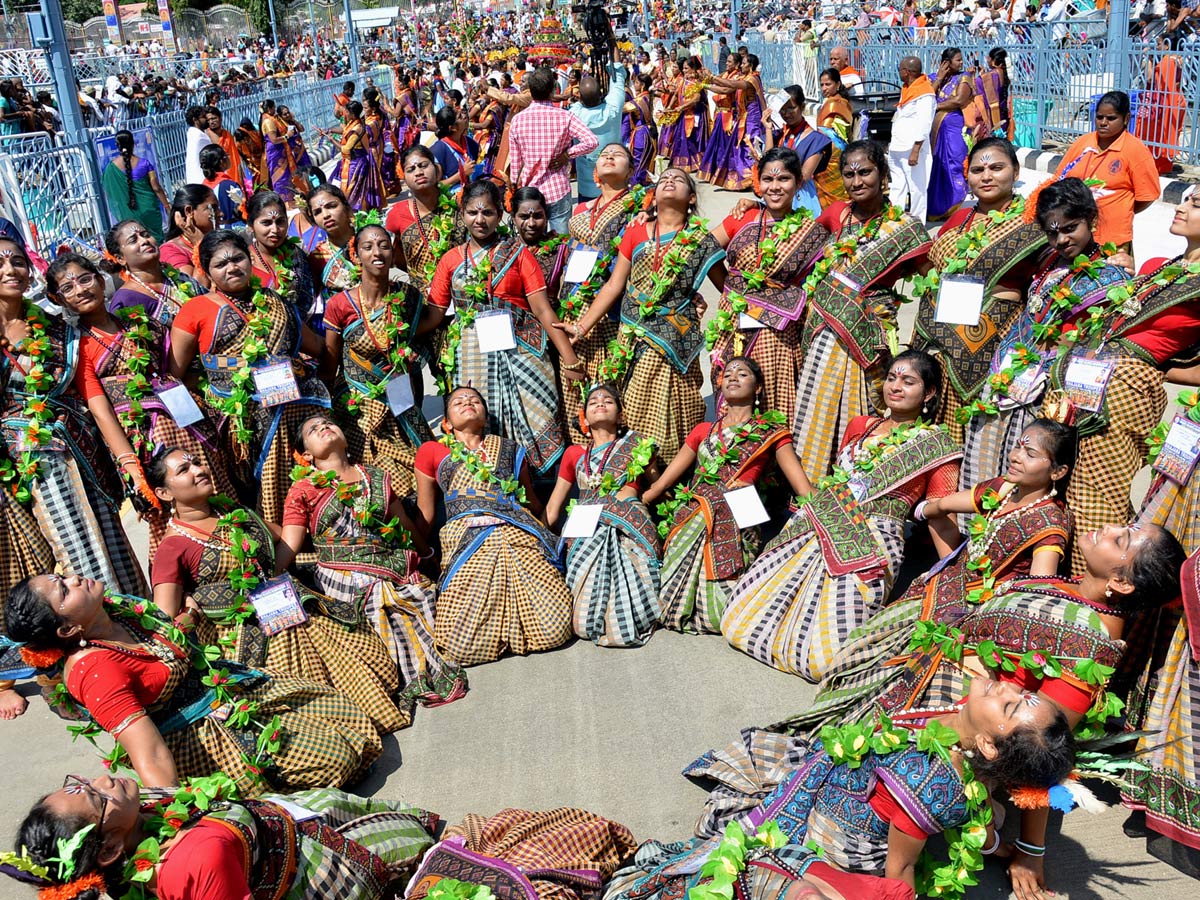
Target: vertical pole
[312, 25]
[1041, 49]
[1117, 46]
[734, 7]
[8, 30]
[274, 27]
[351, 37]
[68, 100]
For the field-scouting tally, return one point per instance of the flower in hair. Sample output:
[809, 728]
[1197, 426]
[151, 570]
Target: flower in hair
[364, 218]
[72, 889]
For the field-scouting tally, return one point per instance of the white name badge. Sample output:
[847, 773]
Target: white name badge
[1086, 380]
[580, 265]
[277, 605]
[295, 810]
[494, 330]
[180, 405]
[276, 384]
[748, 323]
[451, 310]
[583, 520]
[746, 506]
[400, 394]
[1180, 450]
[960, 301]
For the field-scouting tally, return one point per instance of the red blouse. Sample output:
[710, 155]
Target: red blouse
[209, 861]
[340, 312]
[429, 456]
[174, 255]
[91, 353]
[176, 562]
[572, 455]
[304, 498]
[522, 278]
[116, 687]
[199, 317]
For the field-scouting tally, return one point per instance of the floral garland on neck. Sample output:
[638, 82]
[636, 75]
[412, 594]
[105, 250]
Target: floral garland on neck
[756, 278]
[850, 744]
[473, 462]
[238, 406]
[550, 244]
[845, 248]
[365, 510]
[728, 860]
[981, 528]
[865, 462]
[475, 289]
[207, 657]
[285, 268]
[967, 248]
[620, 353]
[604, 483]
[757, 427]
[136, 324]
[399, 354]
[1048, 332]
[574, 306]
[441, 229]
[19, 476]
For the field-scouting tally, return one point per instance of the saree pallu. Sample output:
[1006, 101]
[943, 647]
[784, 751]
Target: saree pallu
[589, 229]
[334, 646]
[519, 385]
[355, 850]
[847, 341]
[778, 307]
[832, 566]
[644, 149]
[299, 152]
[967, 351]
[613, 574]
[77, 496]
[279, 168]
[358, 174]
[866, 665]
[661, 389]
[327, 740]
[991, 107]
[374, 435]
[718, 166]
[374, 130]
[23, 552]
[262, 467]
[706, 552]
[414, 241]
[502, 589]
[1161, 113]
[833, 121]
[356, 568]
[767, 776]
[118, 187]
[947, 179]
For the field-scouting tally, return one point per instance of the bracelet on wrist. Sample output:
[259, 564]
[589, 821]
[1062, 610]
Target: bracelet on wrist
[988, 851]
[919, 511]
[1031, 849]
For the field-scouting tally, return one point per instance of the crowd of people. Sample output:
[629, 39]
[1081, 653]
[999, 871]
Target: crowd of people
[324, 559]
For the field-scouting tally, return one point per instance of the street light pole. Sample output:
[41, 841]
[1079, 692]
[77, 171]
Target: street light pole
[351, 37]
[274, 27]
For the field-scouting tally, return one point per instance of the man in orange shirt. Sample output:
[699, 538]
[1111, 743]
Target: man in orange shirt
[1125, 165]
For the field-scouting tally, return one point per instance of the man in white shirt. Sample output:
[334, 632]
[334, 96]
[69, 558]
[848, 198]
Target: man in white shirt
[197, 139]
[1056, 13]
[909, 156]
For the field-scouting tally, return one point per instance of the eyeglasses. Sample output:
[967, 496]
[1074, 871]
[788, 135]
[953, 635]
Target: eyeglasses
[67, 286]
[77, 784]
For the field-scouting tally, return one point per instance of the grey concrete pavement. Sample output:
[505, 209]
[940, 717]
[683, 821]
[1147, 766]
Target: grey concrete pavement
[605, 730]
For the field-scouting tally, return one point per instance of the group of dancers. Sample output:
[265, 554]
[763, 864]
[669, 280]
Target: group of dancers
[324, 558]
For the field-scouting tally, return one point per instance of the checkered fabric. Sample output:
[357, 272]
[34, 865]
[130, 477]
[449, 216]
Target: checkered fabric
[536, 136]
[777, 354]
[832, 390]
[661, 402]
[690, 600]
[615, 584]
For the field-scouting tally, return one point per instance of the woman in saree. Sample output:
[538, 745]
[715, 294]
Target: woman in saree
[709, 543]
[220, 559]
[833, 121]
[992, 242]
[849, 333]
[811, 146]
[489, 126]
[953, 91]
[349, 847]
[497, 277]
[141, 678]
[1164, 106]
[295, 139]
[367, 330]
[230, 194]
[655, 359]
[252, 148]
[613, 572]
[761, 306]
[718, 166]
[122, 378]
[833, 565]
[367, 561]
[991, 106]
[502, 589]
[160, 289]
[1072, 266]
[329, 243]
[376, 127]
[677, 123]
[595, 227]
[531, 221]
[194, 213]
[404, 122]
[248, 340]
[870, 811]
[277, 260]
[1018, 528]
[278, 166]
[356, 173]
[53, 462]
[750, 105]
[642, 140]
[1140, 332]
[132, 188]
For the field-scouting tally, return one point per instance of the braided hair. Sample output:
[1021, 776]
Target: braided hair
[124, 140]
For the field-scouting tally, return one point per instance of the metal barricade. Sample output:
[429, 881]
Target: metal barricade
[50, 189]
